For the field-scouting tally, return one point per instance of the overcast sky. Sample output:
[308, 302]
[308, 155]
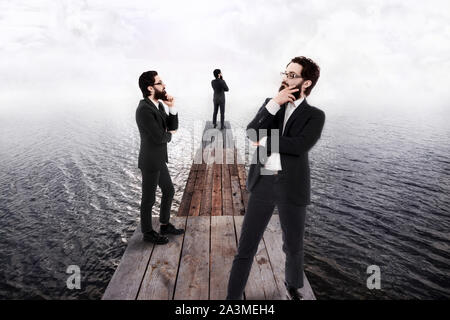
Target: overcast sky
[387, 52]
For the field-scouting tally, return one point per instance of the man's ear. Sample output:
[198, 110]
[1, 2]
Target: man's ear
[150, 89]
[307, 84]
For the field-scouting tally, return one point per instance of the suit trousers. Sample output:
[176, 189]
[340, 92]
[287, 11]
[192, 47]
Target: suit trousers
[150, 180]
[217, 105]
[262, 201]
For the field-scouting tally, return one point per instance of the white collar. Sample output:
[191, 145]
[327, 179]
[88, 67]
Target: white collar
[298, 102]
[156, 103]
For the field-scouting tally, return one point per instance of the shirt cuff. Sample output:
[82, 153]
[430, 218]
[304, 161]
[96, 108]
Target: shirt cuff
[272, 107]
[263, 141]
[173, 110]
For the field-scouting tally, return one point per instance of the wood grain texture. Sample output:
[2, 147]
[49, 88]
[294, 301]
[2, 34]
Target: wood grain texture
[273, 241]
[223, 249]
[261, 284]
[193, 275]
[159, 279]
[127, 278]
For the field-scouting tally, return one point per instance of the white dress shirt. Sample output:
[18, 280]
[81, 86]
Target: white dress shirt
[273, 162]
[172, 110]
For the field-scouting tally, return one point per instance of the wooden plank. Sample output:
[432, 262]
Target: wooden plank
[238, 206]
[159, 280]
[206, 202]
[217, 191]
[229, 155]
[193, 275]
[185, 204]
[245, 195]
[194, 209]
[261, 284]
[227, 202]
[242, 175]
[223, 249]
[200, 178]
[273, 241]
[127, 278]
[233, 166]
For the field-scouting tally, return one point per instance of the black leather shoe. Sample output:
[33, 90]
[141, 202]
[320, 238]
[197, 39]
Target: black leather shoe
[155, 237]
[170, 229]
[214, 125]
[293, 293]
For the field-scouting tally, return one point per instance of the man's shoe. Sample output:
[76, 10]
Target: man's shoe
[170, 229]
[214, 125]
[293, 293]
[222, 127]
[155, 237]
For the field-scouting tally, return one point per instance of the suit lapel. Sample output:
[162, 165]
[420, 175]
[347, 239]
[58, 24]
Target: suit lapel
[281, 114]
[154, 108]
[297, 112]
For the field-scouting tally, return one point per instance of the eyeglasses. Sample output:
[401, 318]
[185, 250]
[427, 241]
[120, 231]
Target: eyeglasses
[290, 75]
[159, 83]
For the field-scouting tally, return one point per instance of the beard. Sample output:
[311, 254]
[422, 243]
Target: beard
[160, 95]
[295, 94]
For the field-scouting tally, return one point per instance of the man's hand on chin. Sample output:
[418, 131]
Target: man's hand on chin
[170, 101]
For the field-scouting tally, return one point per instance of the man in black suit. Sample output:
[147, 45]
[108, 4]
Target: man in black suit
[282, 178]
[220, 87]
[155, 129]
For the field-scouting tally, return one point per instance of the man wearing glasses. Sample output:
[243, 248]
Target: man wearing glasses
[292, 127]
[155, 129]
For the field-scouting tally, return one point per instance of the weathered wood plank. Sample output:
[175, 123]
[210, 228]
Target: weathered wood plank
[159, 279]
[238, 206]
[273, 241]
[194, 210]
[185, 204]
[227, 202]
[223, 249]
[261, 284]
[242, 175]
[193, 275]
[245, 195]
[217, 191]
[200, 178]
[206, 202]
[127, 278]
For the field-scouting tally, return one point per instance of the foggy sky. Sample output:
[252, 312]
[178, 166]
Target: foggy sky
[373, 54]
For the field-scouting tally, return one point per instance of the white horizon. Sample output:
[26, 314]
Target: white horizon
[373, 54]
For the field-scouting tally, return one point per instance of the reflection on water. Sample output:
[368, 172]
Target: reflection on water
[70, 192]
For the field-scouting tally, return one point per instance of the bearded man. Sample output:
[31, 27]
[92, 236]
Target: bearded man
[155, 128]
[283, 178]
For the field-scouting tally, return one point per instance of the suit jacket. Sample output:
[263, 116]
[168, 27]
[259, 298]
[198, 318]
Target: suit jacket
[302, 131]
[220, 87]
[154, 125]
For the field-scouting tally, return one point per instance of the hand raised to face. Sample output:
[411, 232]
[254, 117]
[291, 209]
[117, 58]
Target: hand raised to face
[286, 95]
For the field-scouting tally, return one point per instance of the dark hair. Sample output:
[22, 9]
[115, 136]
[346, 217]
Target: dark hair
[216, 73]
[147, 79]
[310, 71]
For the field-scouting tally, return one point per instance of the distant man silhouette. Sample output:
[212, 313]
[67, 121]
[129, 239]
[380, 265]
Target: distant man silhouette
[283, 178]
[155, 128]
[220, 87]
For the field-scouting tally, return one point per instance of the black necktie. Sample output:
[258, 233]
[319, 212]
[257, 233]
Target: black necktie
[161, 109]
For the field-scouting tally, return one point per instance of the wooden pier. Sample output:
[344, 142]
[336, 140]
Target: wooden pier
[196, 265]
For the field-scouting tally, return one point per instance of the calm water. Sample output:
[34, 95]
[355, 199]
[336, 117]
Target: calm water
[70, 191]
